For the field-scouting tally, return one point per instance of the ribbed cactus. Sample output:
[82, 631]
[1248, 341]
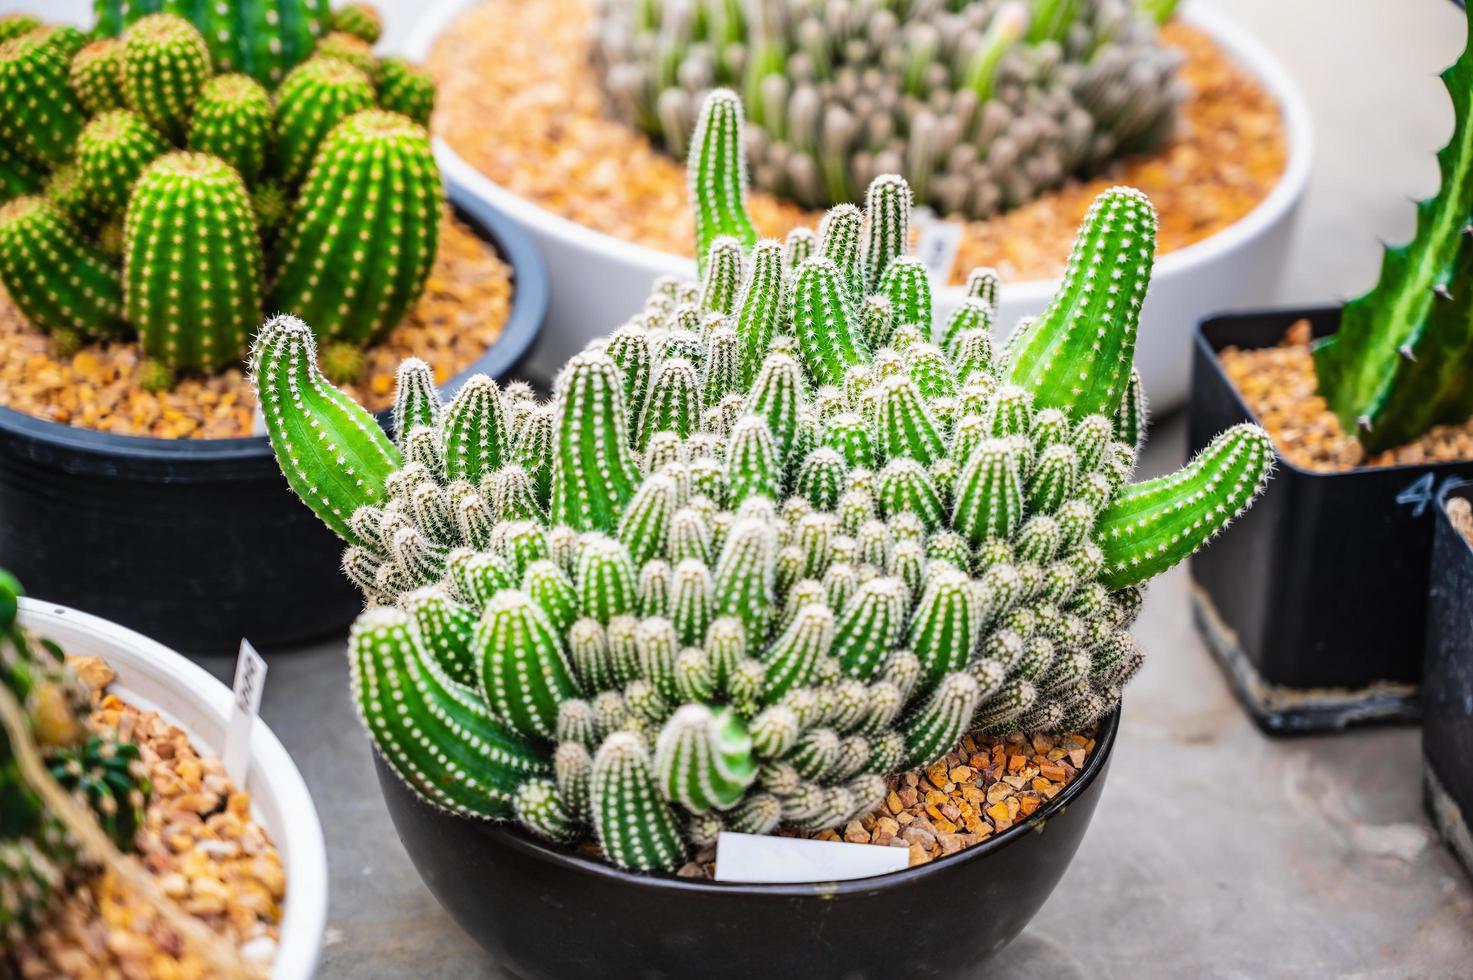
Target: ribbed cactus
[406, 89]
[40, 117]
[111, 152]
[97, 76]
[262, 38]
[37, 854]
[233, 120]
[983, 105]
[165, 64]
[361, 240]
[192, 262]
[60, 281]
[1402, 358]
[742, 599]
[360, 20]
[315, 97]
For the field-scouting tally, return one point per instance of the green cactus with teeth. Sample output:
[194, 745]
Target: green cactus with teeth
[233, 120]
[314, 98]
[194, 296]
[733, 612]
[60, 281]
[165, 64]
[1401, 360]
[40, 117]
[97, 77]
[353, 278]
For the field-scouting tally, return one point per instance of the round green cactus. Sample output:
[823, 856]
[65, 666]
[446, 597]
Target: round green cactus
[58, 279]
[39, 116]
[193, 294]
[360, 20]
[314, 98]
[112, 151]
[406, 89]
[732, 611]
[97, 76]
[165, 64]
[232, 120]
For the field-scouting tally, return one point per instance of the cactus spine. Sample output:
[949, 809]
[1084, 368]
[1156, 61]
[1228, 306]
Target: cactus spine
[194, 293]
[1400, 361]
[735, 610]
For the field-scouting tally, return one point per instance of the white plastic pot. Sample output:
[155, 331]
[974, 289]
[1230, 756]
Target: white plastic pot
[598, 280]
[152, 677]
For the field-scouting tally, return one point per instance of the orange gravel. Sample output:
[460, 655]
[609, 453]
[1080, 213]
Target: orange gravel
[520, 100]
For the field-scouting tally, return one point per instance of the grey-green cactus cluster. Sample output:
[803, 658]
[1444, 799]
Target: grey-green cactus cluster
[983, 105]
[144, 194]
[781, 535]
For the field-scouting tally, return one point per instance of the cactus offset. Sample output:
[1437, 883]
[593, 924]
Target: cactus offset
[112, 152]
[1401, 360]
[60, 281]
[359, 20]
[735, 609]
[165, 64]
[406, 89]
[232, 120]
[40, 117]
[97, 76]
[315, 97]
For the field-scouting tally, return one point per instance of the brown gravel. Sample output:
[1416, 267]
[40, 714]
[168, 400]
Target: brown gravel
[465, 306]
[1279, 385]
[519, 99]
[982, 787]
[1461, 514]
[199, 841]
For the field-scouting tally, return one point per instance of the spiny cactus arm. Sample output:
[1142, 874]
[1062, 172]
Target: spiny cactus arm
[1077, 355]
[39, 116]
[1133, 416]
[887, 227]
[232, 120]
[406, 89]
[475, 434]
[416, 400]
[333, 453]
[723, 276]
[704, 758]
[436, 736]
[718, 175]
[1154, 525]
[111, 153]
[840, 241]
[58, 279]
[97, 76]
[593, 473]
[315, 97]
[637, 828]
[760, 307]
[165, 65]
[524, 668]
[941, 721]
[825, 321]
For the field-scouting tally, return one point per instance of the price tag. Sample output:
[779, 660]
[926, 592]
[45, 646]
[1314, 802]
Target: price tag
[250, 681]
[760, 859]
[937, 243]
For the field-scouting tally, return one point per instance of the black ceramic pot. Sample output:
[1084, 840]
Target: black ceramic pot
[198, 542]
[1447, 687]
[546, 913]
[1315, 604]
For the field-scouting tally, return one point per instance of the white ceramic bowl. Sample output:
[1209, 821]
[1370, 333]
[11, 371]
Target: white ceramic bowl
[152, 677]
[598, 280]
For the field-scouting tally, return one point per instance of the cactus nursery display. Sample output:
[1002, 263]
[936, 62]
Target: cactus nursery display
[778, 537]
[983, 105]
[179, 180]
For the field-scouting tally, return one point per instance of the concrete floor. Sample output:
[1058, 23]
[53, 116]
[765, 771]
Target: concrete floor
[1215, 852]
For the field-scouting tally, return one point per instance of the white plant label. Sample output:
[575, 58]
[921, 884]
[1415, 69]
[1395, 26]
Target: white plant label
[938, 242]
[250, 681]
[760, 859]
[258, 422]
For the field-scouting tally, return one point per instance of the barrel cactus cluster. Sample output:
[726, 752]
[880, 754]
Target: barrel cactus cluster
[983, 105]
[163, 185]
[38, 856]
[783, 534]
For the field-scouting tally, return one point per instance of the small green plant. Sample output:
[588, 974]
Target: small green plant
[1402, 359]
[982, 105]
[37, 853]
[776, 538]
[150, 195]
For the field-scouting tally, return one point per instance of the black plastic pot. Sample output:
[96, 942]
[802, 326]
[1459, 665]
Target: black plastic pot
[547, 913]
[1447, 687]
[1315, 604]
[197, 542]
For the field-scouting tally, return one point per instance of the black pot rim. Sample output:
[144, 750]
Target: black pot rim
[517, 838]
[530, 297]
[1290, 313]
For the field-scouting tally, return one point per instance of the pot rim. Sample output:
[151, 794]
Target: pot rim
[530, 298]
[1240, 45]
[151, 672]
[1290, 314]
[521, 840]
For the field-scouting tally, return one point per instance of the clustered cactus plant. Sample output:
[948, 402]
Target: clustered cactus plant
[779, 536]
[982, 105]
[1402, 359]
[145, 193]
[37, 854]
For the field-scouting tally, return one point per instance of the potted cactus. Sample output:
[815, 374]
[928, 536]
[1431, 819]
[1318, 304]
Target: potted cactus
[1447, 693]
[1001, 114]
[1316, 609]
[780, 536]
[163, 189]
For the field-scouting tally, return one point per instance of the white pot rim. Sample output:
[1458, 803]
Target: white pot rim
[148, 670]
[1241, 46]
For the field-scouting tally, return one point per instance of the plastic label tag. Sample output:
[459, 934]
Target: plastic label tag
[250, 681]
[258, 422]
[938, 243]
[759, 859]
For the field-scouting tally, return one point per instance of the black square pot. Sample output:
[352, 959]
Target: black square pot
[1447, 686]
[1315, 604]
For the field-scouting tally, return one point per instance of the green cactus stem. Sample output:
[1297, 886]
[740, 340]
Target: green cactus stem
[406, 89]
[348, 281]
[59, 280]
[718, 177]
[359, 20]
[1401, 360]
[350, 49]
[39, 116]
[233, 121]
[315, 97]
[112, 152]
[97, 77]
[165, 64]
[16, 25]
[194, 296]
